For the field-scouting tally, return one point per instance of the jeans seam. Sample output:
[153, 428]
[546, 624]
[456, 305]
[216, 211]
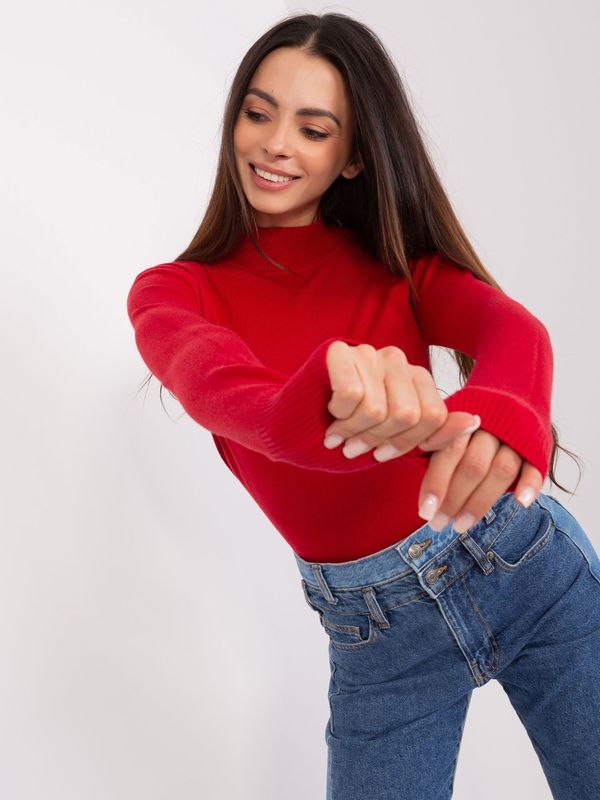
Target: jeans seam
[378, 584]
[491, 638]
[580, 550]
[367, 613]
[331, 694]
[541, 543]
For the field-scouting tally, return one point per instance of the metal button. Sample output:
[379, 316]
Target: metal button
[414, 551]
[432, 576]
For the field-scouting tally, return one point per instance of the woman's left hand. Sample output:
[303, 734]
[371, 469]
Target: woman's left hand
[468, 475]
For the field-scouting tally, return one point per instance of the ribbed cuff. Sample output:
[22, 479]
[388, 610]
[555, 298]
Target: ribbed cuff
[293, 425]
[510, 419]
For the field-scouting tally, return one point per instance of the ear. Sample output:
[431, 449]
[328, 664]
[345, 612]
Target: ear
[352, 168]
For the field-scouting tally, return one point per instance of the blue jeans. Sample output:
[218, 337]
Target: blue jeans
[414, 628]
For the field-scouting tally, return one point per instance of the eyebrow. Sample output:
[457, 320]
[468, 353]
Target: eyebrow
[301, 112]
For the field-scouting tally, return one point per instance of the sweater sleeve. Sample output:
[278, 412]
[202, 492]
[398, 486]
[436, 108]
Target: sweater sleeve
[510, 386]
[223, 386]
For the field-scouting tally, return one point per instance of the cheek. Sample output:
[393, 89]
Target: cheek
[326, 165]
[241, 137]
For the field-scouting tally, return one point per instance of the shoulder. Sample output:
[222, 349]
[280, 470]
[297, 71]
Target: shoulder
[166, 282]
[188, 272]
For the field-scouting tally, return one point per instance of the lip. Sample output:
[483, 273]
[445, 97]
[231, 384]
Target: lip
[272, 170]
[266, 185]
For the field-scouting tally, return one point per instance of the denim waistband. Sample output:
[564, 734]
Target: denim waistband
[419, 550]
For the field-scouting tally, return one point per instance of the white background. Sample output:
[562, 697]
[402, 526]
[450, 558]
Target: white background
[155, 640]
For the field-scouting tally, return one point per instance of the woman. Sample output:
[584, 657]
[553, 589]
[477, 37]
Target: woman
[328, 261]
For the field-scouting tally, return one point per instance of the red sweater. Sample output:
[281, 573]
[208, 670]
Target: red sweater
[242, 345]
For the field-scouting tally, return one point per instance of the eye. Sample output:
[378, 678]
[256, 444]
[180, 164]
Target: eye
[315, 134]
[309, 132]
[253, 115]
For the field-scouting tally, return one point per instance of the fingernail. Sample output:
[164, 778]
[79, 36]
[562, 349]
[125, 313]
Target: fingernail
[333, 440]
[439, 521]
[385, 452]
[355, 448]
[472, 428]
[526, 496]
[463, 522]
[428, 506]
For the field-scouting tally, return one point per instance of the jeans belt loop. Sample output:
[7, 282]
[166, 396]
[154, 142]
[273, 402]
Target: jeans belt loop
[320, 579]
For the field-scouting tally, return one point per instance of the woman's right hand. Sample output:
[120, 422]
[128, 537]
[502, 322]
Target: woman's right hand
[381, 400]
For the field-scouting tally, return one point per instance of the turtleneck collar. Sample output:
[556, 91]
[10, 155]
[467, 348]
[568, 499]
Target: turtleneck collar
[299, 247]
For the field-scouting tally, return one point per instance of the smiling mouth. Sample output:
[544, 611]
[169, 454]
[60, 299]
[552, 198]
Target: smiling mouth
[287, 177]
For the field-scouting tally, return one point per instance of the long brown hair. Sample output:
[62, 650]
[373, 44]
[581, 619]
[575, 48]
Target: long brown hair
[396, 204]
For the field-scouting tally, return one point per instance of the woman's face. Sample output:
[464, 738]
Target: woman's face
[282, 125]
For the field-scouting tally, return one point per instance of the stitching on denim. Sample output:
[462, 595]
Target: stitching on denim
[491, 639]
[351, 630]
[418, 597]
[355, 645]
[323, 585]
[384, 607]
[544, 539]
[509, 519]
[580, 550]
[407, 602]
[374, 607]
[450, 620]
[330, 694]
[385, 582]
[354, 630]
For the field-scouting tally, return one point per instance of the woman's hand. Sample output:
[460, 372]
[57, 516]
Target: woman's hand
[392, 404]
[465, 479]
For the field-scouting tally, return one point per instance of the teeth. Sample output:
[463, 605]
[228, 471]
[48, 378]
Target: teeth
[270, 177]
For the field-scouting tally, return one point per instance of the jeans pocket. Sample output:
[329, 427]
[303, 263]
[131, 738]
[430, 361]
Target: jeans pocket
[524, 535]
[346, 629]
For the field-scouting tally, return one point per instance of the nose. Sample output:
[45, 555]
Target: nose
[277, 139]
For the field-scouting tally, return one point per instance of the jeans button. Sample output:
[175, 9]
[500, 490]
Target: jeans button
[414, 551]
[432, 576]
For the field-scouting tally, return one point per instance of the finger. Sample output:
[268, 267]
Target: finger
[371, 411]
[470, 471]
[346, 383]
[391, 403]
[503, 470]
[435, 483]
[529, 486]
[454, 426]
[401, 398]
[372, 407]
[416, 411]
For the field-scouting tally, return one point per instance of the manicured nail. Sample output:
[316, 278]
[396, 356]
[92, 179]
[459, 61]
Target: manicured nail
[439, 521]
[472, 428]
[463, 522]
[385, 452]
[428, 507]
[355, 448]
[333, 440]
[526, 496]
